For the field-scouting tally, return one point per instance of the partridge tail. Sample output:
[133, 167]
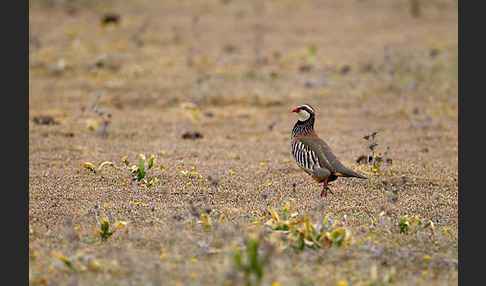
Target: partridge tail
[345, 172]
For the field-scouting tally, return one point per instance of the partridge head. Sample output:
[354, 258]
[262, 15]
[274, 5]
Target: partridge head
[312, 154]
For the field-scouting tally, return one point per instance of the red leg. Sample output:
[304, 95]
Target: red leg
[325, 188]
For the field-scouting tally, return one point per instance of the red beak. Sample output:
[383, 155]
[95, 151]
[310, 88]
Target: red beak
[296, 110]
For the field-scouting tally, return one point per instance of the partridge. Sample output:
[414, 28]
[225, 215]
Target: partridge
[312, 154]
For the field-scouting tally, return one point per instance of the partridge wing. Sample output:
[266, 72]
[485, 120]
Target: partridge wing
[325, 151]
[306, 157]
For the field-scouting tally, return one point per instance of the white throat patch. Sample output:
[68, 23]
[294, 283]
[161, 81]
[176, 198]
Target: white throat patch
[303, 115]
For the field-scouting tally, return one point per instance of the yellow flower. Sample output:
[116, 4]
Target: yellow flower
[440, 46]
[436, 248]
[50, 269]
[368, 238]
[193, 168]
[201, 180]
[233, 172]
[144, 204]
[188, 183]
[351, 261]
[162, 256]
[221, 202]
[124, 184]
[163, 170]
[94, 265]
[425, 272]
[194, 275]
[256, 222]
[143, 185]
[137, 203]
[76, 227]
[120, 224]
[261, 164]
[269, 184]
[447, 229]
[221, 69]
[426, 257]
[162, 153]
[275, 283]
[374, 170]
[193, 259]
[68, 169]
[332, 259]
[62, 258]
[342, 283]
[228, 282]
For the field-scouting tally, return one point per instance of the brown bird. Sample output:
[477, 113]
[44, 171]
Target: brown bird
[312, 154]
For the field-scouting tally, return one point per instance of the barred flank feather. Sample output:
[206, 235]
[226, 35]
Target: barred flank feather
[304, 157]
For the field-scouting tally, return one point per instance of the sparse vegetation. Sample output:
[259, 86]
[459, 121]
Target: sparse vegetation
[413, 223]
[304, 233]
[105, 232]
[139, 169]
[251, 263]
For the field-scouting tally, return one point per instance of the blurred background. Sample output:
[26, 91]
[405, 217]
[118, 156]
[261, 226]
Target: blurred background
[157, 54]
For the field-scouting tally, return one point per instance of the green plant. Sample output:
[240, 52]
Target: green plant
[252, 264]
[140, 171]
[273, 75]
[66, 261]
[106, 228]
[205, 220]
[313, 50]
[303, 232]
[105, 232]
[405, 224]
